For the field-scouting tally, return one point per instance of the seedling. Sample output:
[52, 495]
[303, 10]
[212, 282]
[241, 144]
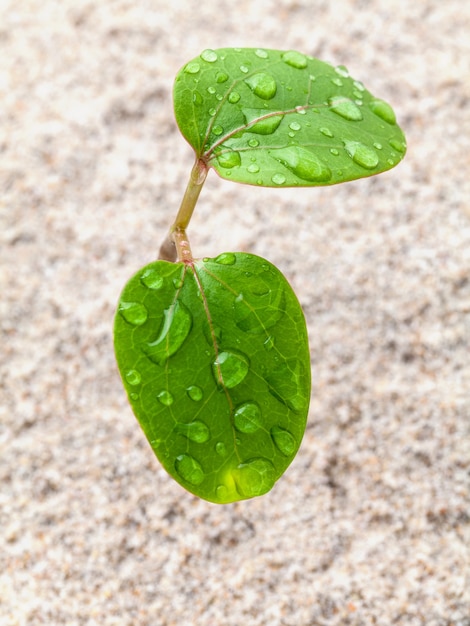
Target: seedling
[213, 352]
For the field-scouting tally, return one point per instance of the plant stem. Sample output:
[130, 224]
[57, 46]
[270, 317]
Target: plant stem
[176, 245]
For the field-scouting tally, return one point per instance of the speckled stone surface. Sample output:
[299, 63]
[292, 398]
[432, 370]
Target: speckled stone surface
[370, 525]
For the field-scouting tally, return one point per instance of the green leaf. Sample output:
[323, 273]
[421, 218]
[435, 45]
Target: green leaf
[214, 358]
[282, 118]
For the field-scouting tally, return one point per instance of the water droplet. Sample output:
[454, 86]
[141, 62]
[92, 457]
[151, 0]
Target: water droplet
[197, 98]
[233, 97]
[253, 143]
[337, 81]
[334, 151]
[221, 77]
[244, 68]
[134, 313]
[230, 368]
[326, 131]
[247, 418]
[133, 377]
[295, 59]
[303, 163]
[265, 126]
[295, 126]
[176, 325]
[262, 54]
[362, 155]
[399, 146]
[211, 90]
[226, 258]
[189, 469]
[165, 398]
[192, 68]
[217, 130]
[300, 110]
[253, 168]
[212, 111]
[383, 110]
[359, 85]
[378, 145]
[345, 108]
[342, 71]
[278, 179]
[177, 283]
[195, 431]
[195, 393]
[254, 477]
[286, 382]
[221, 448]
[269, 343]
[262, 85]
[229, 158]
[209, 55]
[284, 440]
[260, 306]
[221, 492]
[133, 396]
[152, 279]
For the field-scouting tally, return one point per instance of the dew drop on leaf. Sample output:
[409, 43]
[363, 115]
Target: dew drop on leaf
[285, 382]
[362, 155]
[221, 77]
[233, 97]
[229, 158]
[134, 313]
[262, 54]
[247, 418]
[195, 431]
[266, 126]
[278, 179]
[226, 258]
[303, 163]
[262, 85]
[152, 279]
[133, 377]
[383, 110]
[176, 326]
[165, 398]
[295, 59]
[399, 146]
[221, 448]
[326, 131]
[209, 55]
[195, 393]
[254, 477]
[189, 469]
[345, 108]
[192, 68]
[230, 368]
[284, 440]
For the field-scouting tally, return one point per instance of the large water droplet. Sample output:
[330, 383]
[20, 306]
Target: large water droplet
[295, 59]
[262, 85]
[152, 279]
[265, 125]
[133, 377]
[209, 55]
[345, 108]
[176, 325]
[192, 68]
[195, 431]
[303, 163]
[383, 110]
[247, 418]
[229, 158]
[254, 477]
[221, 77]
[230, 368]
[362, 155]
[165, 398]
[217, 130]
[189, 469]
[287, 383]
[134, 313]
[233, 97]
[195, 393]
[284, 440]
[226, 258]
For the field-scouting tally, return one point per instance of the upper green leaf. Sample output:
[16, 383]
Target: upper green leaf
[214, 357]
[282, 118]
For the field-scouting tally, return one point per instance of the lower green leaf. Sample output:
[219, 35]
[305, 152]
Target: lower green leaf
[215, 361]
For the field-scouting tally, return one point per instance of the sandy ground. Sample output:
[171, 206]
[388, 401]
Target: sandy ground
[370, 525]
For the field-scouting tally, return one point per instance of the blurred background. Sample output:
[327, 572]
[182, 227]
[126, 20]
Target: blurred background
[370, 524]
